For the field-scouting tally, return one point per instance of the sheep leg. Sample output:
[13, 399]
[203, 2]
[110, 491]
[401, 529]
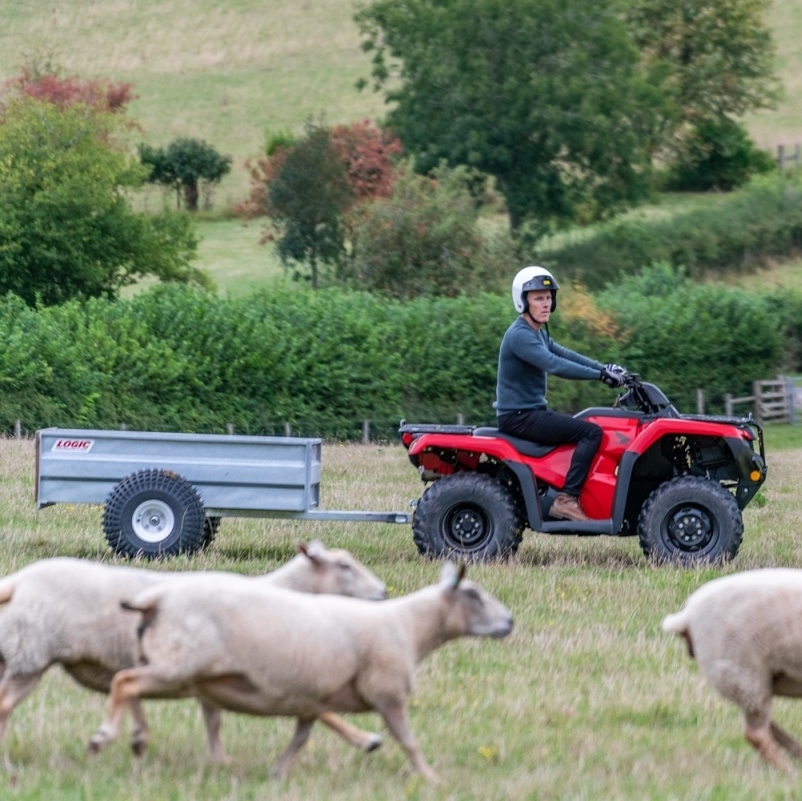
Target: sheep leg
[395, 716]
[109, 730]
[759, 734]
[141, 735]
[127, 688]
[786, 740]
[12, 691]
[213, 718]
[303, 729]
[366, 740]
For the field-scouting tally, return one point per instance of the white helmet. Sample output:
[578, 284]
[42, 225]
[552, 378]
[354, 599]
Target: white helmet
[532, 278]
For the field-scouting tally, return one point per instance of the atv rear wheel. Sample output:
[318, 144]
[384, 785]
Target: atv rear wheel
[470, 515]
[690, 520]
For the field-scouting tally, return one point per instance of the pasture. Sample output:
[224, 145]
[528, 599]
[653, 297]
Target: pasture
[226, 73]
[586, 699]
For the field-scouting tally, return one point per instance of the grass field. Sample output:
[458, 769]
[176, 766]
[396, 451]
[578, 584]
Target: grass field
[587, 699]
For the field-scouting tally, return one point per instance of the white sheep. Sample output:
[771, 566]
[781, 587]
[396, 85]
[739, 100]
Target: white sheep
[745, 632]
[67, 611]
[269, 652]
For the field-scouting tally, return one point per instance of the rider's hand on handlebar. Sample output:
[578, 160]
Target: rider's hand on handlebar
[613, 375]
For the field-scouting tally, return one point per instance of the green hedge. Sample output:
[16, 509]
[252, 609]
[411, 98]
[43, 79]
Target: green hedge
[178, 359]
[737, 233]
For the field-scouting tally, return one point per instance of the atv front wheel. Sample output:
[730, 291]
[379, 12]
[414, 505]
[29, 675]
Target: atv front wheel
[690, 520]
[470, 515]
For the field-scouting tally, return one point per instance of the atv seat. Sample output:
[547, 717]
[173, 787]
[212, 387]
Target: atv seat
[524, 446]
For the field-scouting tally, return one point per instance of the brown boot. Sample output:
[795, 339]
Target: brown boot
[567, 507]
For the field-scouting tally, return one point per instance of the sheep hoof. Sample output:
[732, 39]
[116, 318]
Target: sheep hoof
[139, 747]
[96, 743]
[375, 742]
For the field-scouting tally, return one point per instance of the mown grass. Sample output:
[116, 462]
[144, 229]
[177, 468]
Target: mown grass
[586, 699]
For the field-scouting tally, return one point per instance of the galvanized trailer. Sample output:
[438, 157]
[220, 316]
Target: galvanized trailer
[165, 493]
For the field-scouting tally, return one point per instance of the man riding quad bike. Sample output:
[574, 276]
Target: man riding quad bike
[678, 481]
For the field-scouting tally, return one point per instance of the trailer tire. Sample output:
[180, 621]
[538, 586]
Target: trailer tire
[468, 515]
[154, 513]
[211, 526]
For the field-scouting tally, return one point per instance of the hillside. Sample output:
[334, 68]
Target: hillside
[228, 72]
[217, 71]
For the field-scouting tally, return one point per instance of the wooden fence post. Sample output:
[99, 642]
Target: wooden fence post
[700, 401]
[366, 432]
[781, 156]
[287, 430]
[17, 429]
[460, 419]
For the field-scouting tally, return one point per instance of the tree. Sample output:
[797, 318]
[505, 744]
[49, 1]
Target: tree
[183, 165]
[545, 95]
[66, 228]
[716, 56]
[307, 194]
[307, 185]
[368, 153]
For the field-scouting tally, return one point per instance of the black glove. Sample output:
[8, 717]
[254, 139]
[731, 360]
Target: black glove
[613, 375]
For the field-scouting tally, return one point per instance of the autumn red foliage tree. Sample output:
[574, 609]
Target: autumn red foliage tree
[307, 187]
[63, 91]
[368, 154]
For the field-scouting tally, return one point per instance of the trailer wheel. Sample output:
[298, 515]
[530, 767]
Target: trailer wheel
[211, 525]
[154, 513]
[690, 520]
[470, 515]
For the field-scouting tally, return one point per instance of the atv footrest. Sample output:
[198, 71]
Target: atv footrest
[434, 428]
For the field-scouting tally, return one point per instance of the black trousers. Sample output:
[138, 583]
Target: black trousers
[554, 428]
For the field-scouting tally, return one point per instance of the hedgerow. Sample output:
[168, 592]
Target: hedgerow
[180, 359]
[738, 233]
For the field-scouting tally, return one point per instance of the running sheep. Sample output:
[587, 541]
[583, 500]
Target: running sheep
[336, 654]
[67, 611]
[745, 632]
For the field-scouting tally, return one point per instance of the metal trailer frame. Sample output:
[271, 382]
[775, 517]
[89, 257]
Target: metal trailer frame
[234, 475]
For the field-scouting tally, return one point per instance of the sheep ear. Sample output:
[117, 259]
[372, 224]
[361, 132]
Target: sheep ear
[313, 551]
[451, 576]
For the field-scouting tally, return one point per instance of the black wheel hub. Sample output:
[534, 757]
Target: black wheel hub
[689, 528]
[466, 527]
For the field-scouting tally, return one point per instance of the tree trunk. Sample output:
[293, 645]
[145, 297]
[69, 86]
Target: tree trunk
[191, 195]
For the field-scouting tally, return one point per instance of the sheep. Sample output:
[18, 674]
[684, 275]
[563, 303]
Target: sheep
[67, 611]
[745, 631]
[336, 654]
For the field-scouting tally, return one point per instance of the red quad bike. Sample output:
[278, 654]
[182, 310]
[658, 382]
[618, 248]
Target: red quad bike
[678, 481]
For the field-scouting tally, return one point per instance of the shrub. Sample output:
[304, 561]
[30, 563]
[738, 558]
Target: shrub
[718, 155]
[425, 239]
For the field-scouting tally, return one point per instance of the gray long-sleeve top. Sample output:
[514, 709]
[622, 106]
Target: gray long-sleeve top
[525, 358]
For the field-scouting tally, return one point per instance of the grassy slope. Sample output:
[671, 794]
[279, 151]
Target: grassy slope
[228, 72]
[224, 72]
